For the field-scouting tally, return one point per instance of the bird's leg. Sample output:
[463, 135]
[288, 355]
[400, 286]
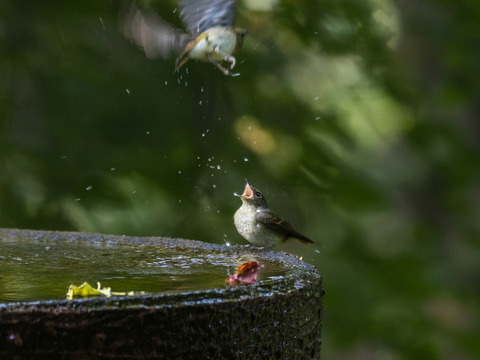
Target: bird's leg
[218, 65]
[226, 57]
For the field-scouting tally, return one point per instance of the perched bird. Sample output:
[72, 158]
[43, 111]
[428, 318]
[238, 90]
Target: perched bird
[210, 32]
[260, 225]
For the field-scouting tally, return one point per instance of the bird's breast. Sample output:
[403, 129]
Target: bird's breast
[245, 220]
[252, 230]
[221, 38]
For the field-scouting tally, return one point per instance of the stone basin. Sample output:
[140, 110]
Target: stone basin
[187, 311]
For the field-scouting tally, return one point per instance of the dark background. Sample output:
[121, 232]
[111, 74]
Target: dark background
[357, 119]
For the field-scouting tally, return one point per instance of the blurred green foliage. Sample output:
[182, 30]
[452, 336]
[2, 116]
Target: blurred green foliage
[358, 120]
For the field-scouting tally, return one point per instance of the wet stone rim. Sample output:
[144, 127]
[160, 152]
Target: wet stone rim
[274, 318]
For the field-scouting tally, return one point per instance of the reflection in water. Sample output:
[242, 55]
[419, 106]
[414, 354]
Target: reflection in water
[42, 270]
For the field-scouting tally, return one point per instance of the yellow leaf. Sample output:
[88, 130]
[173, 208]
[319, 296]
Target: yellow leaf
[86, 290]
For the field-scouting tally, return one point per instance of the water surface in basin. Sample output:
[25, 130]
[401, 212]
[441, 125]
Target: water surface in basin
[43, 269]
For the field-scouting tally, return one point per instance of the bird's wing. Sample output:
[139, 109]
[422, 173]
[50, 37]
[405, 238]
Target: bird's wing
[150, 32]
[275, 222]
[200, 15]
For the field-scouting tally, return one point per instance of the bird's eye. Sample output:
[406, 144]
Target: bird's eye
[258, 194]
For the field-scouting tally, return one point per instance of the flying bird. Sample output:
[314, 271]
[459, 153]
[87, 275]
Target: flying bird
[209, 35]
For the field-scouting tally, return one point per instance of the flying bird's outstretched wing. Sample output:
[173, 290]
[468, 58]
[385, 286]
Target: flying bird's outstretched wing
[200, 15]
[151, 33]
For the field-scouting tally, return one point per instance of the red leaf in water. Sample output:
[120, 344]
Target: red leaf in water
[246, 273]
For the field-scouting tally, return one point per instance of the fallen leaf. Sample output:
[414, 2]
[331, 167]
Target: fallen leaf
[246, 273]
[86, 290]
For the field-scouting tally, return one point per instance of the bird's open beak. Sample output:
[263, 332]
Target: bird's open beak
[247, 193]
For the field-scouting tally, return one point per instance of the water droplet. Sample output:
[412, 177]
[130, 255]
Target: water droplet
[89, 188]
[112, 169]
[128, 91]
[245, 159]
